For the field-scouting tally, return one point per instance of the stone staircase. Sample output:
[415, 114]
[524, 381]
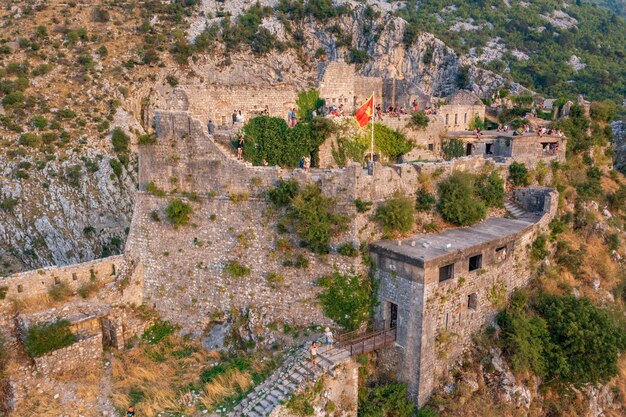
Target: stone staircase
[293, 376]
[520, 213]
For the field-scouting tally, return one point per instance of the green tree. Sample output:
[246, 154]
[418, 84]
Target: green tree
[346, 299]
[518, 174]
[458, 202]
[424, 201]
[453, 148]
[490, 188]
[308, 101]
[389, 142]
[419, 120]
[395, 215]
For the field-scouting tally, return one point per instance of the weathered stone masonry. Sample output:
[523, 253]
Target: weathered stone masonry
[439, 289]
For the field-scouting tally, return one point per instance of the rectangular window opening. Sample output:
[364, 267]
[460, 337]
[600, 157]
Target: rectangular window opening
[500, 254]
[446, 272]
[472, 301]
[475, 262]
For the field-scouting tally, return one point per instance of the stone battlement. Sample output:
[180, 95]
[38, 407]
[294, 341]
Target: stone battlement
[38, 282]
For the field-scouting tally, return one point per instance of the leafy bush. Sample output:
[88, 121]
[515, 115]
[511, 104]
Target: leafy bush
[395, 215]
[566, 340]
[490, 188]
[158, 331]
[348, 249]
[308, 101]
[152, 188]
[419, 120]
[346, 299]
[47, 337]
[538, 248]
[236, 269]
[518, 174]
[388, 399]
[453, 148]
[40, 122]
[13, 99]
[424, 201]
[8, 204]
[120, 141]
[458, 202]
[29, 139]
[60, 292]
[362, 206]
[283, 193]
[315, 219]
[269, 140]
[603, 111]
[147, 139]
[178, 212]
[389, 142]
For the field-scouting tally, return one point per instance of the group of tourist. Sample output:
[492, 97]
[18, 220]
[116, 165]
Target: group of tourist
[237, 117]
[329, 340]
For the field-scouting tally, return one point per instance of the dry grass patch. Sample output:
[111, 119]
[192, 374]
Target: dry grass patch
[152, 377]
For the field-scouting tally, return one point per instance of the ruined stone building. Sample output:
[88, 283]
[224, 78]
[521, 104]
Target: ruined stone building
[529, 148]
[340, 85]
[460, 110]
[438, 289]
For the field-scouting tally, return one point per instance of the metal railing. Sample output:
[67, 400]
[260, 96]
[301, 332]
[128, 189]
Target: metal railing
[367, 342]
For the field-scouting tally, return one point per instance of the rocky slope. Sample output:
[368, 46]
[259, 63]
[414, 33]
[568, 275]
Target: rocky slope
[619, 130]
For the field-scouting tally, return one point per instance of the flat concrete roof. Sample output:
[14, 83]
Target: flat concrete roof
[427, 247]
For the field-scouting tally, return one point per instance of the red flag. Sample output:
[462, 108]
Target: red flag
[364, 114]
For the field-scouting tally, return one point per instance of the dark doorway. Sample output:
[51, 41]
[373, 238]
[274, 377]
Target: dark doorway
[393, 315]
[488, 149]
[109, 336]
[468, 149]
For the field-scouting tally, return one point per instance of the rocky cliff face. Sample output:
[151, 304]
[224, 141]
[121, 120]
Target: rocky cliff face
[66, 211]
[619, 130]
[427, 64]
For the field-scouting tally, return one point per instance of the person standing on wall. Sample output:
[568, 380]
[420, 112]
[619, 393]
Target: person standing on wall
[240, 148]
[314, 355]
[234, 117]
[211, 128]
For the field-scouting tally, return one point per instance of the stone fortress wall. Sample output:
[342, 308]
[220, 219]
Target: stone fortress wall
[435, 316]
[38, 282]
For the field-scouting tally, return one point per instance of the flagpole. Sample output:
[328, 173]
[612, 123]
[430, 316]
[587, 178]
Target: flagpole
[373, 120]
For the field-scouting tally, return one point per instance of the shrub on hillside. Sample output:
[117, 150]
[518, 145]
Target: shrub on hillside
[389, 399]
[490, 188]
[178, 212]
[314, 217]
[518, 174]
[603, 111]
[284, 191]
[120, 141]
[346, 299]
[419, 120]
[564, 339]
[236, 269]
[348, 249]
[47, 337]
[458, 202]
[158, 331]
[60, 292]
[395, 215]
[424, 201]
